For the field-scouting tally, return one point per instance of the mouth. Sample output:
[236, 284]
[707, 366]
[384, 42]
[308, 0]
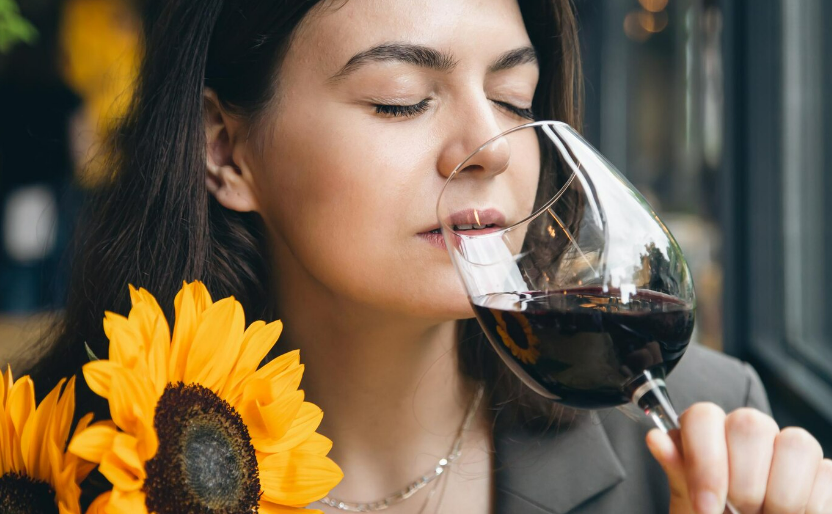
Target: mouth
[469, 222]
[475, 221]
[465, 228]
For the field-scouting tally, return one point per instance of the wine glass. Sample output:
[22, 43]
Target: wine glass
[578, 285]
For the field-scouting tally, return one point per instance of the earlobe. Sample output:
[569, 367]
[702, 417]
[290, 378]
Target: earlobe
[229, 182]
[231, 190]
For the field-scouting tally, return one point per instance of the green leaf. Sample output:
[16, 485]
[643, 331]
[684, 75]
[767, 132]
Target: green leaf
[90, 353]
[13, 27]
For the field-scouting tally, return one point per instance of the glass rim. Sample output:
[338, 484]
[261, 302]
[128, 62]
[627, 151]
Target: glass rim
[523, 221]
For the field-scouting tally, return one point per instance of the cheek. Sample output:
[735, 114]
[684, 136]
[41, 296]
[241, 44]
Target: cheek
[348, 201]
[521, 180]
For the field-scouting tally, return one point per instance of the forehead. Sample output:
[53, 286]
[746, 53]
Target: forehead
[336, 30]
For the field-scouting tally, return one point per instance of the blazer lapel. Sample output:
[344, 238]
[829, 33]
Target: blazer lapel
[555, 471]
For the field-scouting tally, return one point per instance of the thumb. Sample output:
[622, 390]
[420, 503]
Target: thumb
[665, 449]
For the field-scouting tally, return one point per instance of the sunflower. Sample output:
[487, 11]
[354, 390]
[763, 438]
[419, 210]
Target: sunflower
[36, 474]
[198, 428]
[518, 336]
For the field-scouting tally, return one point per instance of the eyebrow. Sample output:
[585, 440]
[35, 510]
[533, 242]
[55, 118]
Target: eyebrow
[426, 57]
[514, 58]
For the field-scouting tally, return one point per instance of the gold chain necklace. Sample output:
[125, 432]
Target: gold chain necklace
[420, 483]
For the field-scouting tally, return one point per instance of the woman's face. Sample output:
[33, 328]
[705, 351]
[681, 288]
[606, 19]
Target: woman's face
[379, 100]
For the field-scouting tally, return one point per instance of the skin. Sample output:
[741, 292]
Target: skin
[344, 191]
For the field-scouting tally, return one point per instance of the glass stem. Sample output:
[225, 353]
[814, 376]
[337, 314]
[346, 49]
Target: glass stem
[651, 397]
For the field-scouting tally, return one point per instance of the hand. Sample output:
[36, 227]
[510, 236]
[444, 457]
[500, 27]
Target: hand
[743, 457]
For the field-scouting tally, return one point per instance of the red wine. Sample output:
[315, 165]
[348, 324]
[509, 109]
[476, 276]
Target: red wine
[583, 347]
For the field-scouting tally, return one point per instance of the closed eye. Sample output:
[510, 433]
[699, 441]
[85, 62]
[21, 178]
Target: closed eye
[403, 110]
[525, 113]
[412, 110]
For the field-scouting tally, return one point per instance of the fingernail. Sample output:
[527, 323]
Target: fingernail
[707, 503]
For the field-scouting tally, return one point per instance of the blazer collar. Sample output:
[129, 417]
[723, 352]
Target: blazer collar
[555, 471]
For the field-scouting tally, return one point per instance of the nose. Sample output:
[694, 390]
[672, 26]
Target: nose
[467, 135]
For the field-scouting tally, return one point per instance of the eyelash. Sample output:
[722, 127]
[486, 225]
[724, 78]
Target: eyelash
[419, 108]
[403, 110]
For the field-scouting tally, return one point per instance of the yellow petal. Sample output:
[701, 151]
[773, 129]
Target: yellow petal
[296, 478]
[125, 448]
[202, 298]
[83, 423]
[216, 344]
[63, 415]
[64, 509]
[56, 434]
[99, 376]
[317, 444]
[21, 403]
[122, 502]
[5, 441]
[92, 443]
[280, 414]
[54, 466]
[67, 490]
[272, 369]
[6, 384]
[277, 366]
[259, 338]
[98, 504]
[35, 456]
[190, 302]
[151, 323]
[267, 391]
[19, 407]
[267, 507]
[267, 421]
[132, 401]
[119, 473]
[183, 333]
[148, 442]
[287, 381]
[84, 467]
[126, 343]
[303, 427]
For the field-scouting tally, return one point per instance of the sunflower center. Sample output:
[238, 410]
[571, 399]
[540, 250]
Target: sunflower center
[20, 494]
[205, 462]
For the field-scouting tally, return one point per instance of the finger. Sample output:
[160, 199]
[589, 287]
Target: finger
[820, 500]
[668, 456]
[665, 449]
[706, 457]
[750, 435]
[797, 456]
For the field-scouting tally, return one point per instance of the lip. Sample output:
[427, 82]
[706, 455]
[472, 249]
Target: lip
[488, 216]
[435, 239]
[477, 216]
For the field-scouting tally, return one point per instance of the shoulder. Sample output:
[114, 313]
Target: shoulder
[704, 375]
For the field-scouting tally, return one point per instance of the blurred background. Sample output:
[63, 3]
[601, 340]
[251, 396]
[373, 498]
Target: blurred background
[712, 108]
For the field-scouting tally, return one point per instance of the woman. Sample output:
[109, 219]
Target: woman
[291, 153]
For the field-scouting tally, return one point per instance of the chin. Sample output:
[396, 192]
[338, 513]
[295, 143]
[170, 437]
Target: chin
[452, 307]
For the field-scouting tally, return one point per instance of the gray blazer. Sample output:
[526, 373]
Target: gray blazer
[598, 462]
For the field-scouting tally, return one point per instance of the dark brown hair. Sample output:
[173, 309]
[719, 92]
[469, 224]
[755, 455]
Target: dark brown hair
[155, 224]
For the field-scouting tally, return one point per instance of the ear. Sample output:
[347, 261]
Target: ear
[227, 176]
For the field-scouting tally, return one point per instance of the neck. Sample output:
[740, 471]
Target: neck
[389, 385]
